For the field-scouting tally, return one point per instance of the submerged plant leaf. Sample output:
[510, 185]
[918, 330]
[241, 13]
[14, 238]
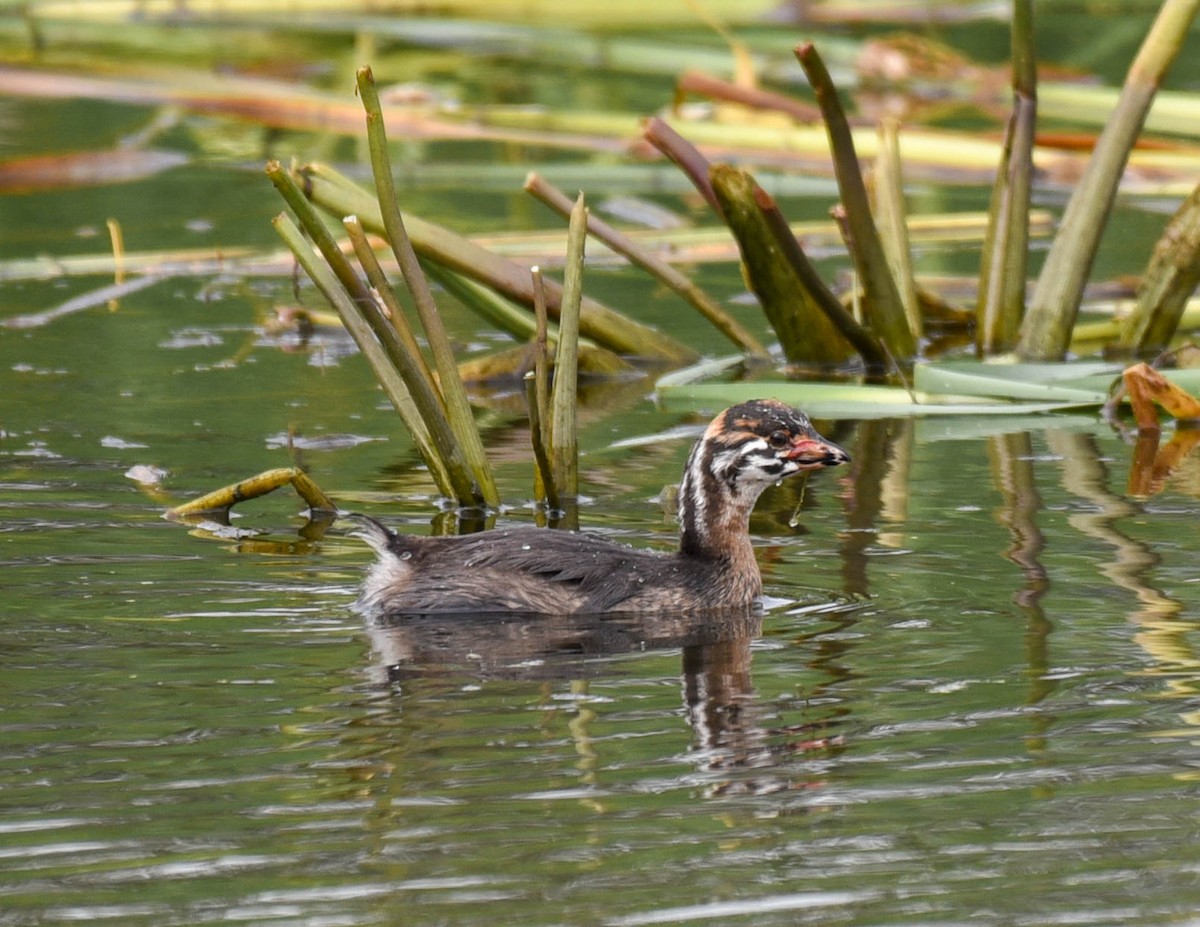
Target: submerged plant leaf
[85, 168]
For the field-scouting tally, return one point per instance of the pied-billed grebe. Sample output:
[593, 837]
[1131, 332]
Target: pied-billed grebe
[528, 569]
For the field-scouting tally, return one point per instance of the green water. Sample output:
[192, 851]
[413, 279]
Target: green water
[973, 700]
[972, 697]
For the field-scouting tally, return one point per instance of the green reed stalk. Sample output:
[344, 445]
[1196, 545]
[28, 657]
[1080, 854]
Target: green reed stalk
[360, 330]
[823, 298]
[544, 471]
[605, 326]
[882, 302]
[564, 444]
[1005, 255]
[427, 401]
[1170, 278]
[1046, 331]
[892, 216]
[383, 287]
[541, 346]
[805, 333]
[537, 395]
[454, 393]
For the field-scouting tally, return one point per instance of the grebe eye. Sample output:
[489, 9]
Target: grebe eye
[779, 440]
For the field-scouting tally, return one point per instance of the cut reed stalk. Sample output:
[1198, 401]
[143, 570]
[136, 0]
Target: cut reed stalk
[606, 327]
[485, 303]
[427, 401]
[489, 304]
[881, 297]
[225, 498]
[1170, 279]
[564, 446]
[382, 287]
[685, 155]
[544, 487]
[864, 342]
[386, 373]
[1005, 255]
[892, 215]
[541, 345]
[806, 335]
[453, 392]
[1054, 306]
[537, 395]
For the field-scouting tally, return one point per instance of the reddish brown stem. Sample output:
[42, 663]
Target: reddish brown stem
[686, 155]
[714, 88]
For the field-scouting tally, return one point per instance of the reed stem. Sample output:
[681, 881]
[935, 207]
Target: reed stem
[1170, 278]
[805, 333]
[603, 325]
[1005, 255]
[892, 215]
[424, 396]
[453, 392]
[564, 446]
[382, 287]
[541, 348]
[882, 302]
[685, 155]
[360, 330]
[1046, 331]
[674, 279]
[864, 342]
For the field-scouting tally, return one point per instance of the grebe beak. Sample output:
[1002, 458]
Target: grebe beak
[813, 451]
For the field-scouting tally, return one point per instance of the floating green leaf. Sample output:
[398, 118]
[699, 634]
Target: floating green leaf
[840, 400]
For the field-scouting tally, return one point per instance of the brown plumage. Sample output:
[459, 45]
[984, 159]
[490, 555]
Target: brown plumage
[528, 569]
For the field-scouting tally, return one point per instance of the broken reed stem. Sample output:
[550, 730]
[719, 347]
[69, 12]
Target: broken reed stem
[453, 392]
[544, 471]
[892, 216]
[805, 334]
[427, 401]
[223, 499]
[864, 342]
[537, 397]
[360, 330]
[541, 351]
[1170, 278]
[611, 329]
[884, 309]
[564, 447]
[485, 302]
[685, 155]
[317, 231]
[1005, 255]
[383, 289]
[1054, 305]
[714, 88]
[675, 280]
[260, 485]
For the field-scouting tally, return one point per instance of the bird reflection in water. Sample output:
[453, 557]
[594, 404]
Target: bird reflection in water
[734, 744]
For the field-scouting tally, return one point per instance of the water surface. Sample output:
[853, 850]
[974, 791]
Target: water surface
[972, 696]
